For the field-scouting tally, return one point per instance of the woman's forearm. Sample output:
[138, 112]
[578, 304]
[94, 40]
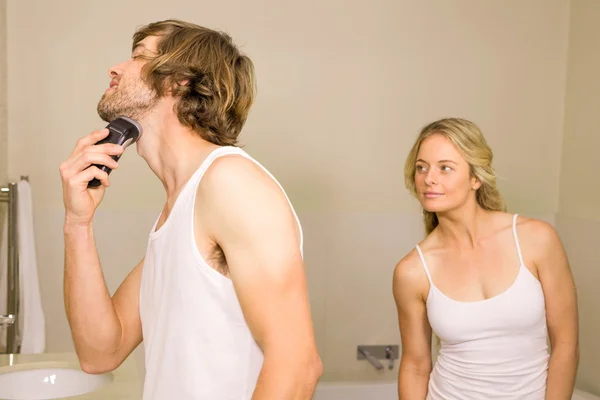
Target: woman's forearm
[562, 370]
[413, 381]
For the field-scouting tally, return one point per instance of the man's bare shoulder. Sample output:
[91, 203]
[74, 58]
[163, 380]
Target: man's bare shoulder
[236, 170]
[237, 196]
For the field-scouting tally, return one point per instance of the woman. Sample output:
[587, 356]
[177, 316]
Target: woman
[489, 284]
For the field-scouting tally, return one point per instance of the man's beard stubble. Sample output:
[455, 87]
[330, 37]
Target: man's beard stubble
[134, 104]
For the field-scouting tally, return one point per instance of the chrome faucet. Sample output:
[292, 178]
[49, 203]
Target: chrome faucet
[7, 320]
[374, 362]
[389, 355]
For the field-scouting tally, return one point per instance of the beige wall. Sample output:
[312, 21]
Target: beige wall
[578, 219]
[344, 88]
[579, 183]
[3, 132]
[3, 127]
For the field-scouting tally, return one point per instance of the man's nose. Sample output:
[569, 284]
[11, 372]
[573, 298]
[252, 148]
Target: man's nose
[115, 70]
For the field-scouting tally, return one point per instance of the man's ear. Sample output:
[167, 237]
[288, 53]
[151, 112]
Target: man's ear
[174, 87]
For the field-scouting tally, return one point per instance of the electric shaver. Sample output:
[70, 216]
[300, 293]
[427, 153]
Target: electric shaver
[122, 131]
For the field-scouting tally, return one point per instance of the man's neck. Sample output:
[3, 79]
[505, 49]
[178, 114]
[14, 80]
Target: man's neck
[173, 152]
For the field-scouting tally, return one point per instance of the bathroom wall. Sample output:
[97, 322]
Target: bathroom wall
[578, 218]
[344, 88]
[3, 134]
[3, 131]
[3, 138]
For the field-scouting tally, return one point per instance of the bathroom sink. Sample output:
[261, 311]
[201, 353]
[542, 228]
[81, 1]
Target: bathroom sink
[49, 383]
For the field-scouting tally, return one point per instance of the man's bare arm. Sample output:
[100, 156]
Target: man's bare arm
[104, 330]
[253, 223]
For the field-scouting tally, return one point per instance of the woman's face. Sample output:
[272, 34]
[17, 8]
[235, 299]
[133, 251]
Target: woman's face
[442, 177]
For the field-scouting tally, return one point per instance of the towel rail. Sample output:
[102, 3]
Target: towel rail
[9, 195]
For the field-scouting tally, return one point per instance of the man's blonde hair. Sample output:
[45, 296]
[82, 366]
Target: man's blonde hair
[215, 83]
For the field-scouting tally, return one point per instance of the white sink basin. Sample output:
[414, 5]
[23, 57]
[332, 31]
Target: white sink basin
[49, 383]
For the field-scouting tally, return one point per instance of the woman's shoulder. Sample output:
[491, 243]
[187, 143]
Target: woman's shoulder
[538, 239]
[408, 264]
[410, 269]
[410, 279]
[533, 227]
[526, 226]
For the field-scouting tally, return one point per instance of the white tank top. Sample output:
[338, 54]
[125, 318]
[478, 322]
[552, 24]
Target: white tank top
[490, 349]
[197, 343]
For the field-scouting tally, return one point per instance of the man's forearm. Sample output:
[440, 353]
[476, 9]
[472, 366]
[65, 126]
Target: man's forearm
[287, 380]
[94, 323]
[562, 370]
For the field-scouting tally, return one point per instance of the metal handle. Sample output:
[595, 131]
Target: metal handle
[9, 194]
[366, 354]
[7, 320]
[374, 353]
[389, 355]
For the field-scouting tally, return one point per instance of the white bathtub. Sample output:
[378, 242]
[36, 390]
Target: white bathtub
[383, 391]
[356, 391]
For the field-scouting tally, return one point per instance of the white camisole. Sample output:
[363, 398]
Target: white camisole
[490, 349]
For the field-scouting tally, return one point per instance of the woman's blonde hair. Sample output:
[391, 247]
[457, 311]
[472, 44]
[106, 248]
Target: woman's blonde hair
[471, 144]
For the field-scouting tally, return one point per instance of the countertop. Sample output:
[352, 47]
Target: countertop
[126, 384]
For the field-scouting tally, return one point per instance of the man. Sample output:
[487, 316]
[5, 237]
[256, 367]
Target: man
[220, 298]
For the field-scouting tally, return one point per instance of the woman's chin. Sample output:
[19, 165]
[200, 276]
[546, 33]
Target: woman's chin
[433, 206]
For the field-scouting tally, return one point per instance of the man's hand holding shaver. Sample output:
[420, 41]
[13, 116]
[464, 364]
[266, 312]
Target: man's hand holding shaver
[77, 170]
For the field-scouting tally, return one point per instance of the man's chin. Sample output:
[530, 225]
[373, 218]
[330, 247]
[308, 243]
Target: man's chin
[110, 108]
[108, 115]
[102, 110]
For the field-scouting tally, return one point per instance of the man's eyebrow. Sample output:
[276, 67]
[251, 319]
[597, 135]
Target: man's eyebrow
[143, 48]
